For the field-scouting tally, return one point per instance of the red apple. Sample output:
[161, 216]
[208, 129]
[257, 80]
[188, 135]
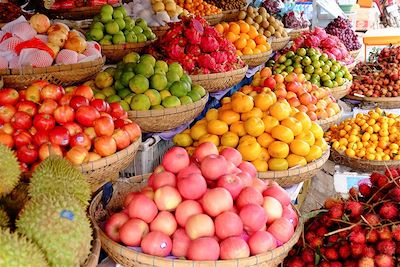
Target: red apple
[175, 159]
[64, 114]
[132, 232]
[65, 99]
[7, 140]
[21, 120]
[128, 199]
[93, 156]
[216, 201]
[203, 249]
[232, 183]
[22, 138]
[77, 155]
[104, 126]
[73, 128]
[228, 224]
[234, 248]
[291, 215]
[199, 225]
[86, 115]
[148, 192]
[232, 155]
[213, 166]
[186, 209]
[59, 135]
[253, 217]
[279, 193]
[249, 195]
[163, 178]
[272, 208]
[259, 184]
[205, 149]
[140, 203]
[48, 106]
[28, 107]
[246, 179]
[44, 122]
[192, 168]
[7, 113]
[167, 198]
[85, 91]
[180, 243]
[282, 229]
[47, 149]
[32, 93]
[114, 224]
[52, 91]
[133, 130]
[157, 244]
[117, 111]
[249, 168]
[164, 222]
[121, 138]
[8, 96]
[80, 139]
[27, 154]
[192, 186]
[90, 132]
[105, 145]
[6, 128]
[261, 242]
[100, 105]
[78, 101]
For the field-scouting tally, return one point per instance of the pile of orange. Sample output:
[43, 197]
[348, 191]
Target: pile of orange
[372, 136]
[266, 131]
[199, 7]
[245, 37]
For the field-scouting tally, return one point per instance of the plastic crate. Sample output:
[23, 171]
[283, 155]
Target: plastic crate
[148, 157]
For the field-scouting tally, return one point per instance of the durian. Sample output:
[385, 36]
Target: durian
[59, 226]
[4, 219]
[56, 176]
[17, 251]
[9, 170]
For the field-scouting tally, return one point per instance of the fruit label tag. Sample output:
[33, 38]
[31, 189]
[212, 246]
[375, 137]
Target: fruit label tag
[163, 245]
[198, 27]
[67, 214]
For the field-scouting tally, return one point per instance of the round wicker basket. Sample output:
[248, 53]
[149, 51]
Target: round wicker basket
[382, 102]
[214, 19]
[340, 91]
[363, 165]
[215, 82]
[77, 13]
[115, 53]
[230, 15]
[256, 60]
[279, 43]
[107, 169]
[159, 30]
[61, 74]
[160, 120]
[351, 66]
[93, 259]
[130, 258]
[294, 33]
[355, 53]
[295, 175]
[327, 123]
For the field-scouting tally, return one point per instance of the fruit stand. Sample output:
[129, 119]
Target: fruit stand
[195, 133]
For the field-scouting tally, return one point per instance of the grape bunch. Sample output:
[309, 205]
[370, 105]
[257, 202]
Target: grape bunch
[341, 28]
[295, 20]
[274, 6]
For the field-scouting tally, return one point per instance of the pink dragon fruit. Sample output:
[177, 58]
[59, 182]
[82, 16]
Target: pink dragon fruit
[312, 41]
[206, 61]
[188, 63]
[175, 31]
[321, 33]
[328, 43]
[211, 31]
[336, 52]
[220, 57]
[193, 50]
[232, 57]
[225, 44]
[204, 71]
[176, 51]
[209, 44]
[193, 36]
[218, 68]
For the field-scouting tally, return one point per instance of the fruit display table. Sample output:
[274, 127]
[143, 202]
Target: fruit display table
[380, 38]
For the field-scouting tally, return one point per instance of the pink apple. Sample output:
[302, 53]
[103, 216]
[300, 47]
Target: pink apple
[199, 225]
[163, 178]
[180, 243]
[143, 208]
[192, 186]
[186, 209]
[291, 215]
[279, 193]
[164, 222]
[157, 244]
[216, 201]
[232, 183]
[213, 166]
[203, 150]
[192, 168]
[272, 208]
[175, 159]
[228, 224]
[282, 229]
[249, 168]
[167, 198]
[261, 242]
[249, 195]
[159, 169]
[234, 248]
[259, 184]
[246, 178]
[148, 192]
[132, 232]
[129, 198]
[113, 225]
[253, 217]
[232, 155]
[203, 249]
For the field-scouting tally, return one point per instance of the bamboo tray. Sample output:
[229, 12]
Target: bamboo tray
[256, 60]
[115, 53]
[279, 43]
[295, 175]
[294, 33]
[382, 102]
[61, 74]
[159, 30]
[327, 123]
[215, 82]
[162, 120]
[363, 165]
[130, 258]
[214, 19]
[340, 91]
[77, 13]
[230, 15]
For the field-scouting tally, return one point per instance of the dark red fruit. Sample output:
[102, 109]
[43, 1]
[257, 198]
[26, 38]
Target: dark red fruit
[372, 219]
[369, 252]
[308, 255]
[331, 254]
[355, 208]
[336, 212]
[357, 237]
[385, 233]
[389, 211]
[384, 261]
[372, 236]
[295, 262]
[357, 249]
[365, 190]
[387, 247]
[396, 232]
[366, 262]
[395, 194]
[344, 251]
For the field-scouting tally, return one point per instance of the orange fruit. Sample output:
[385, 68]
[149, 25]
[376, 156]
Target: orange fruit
[234, 27]
[198, 130]
[210, 138]
[304, 119]
[229, 116]
[260, 164]
[262, 48]
[300, 147]
[265, 139]
[260, 39]
[254, 126]
[249, 149]
[275, 164]
[247, 51]
[229, 139]
[293, 124]
[280, 110]
[278, 149]
[244, 36]
[225, 26]
[219, 28]
[263, 101]
[239, 53]
[307, 136]
[322, 144]
[264, 154]
[256, 51]
[217, 127]
[231, 37]
[253, 34]
[241, 103]
[315, 153]
[317, 130]
[244, 27]
[270, 122]
[238, 128]
[295, 160]
[247, 138]
[282, 133]
[251, 44]
[212, 114]
[255, 112]
[240, 43]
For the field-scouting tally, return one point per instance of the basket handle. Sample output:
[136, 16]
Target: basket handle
[108, 191]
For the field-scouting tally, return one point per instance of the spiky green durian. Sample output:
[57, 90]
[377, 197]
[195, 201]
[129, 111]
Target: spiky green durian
[9, 170]
[4, 219]
[59, 226]
[56, 176]
[17, 251]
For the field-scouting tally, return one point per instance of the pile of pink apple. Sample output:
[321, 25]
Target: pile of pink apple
[47, 119]
[207, 207]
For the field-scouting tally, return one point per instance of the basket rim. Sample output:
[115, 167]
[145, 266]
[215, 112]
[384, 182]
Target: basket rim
[331, 119]
[54, 68]
[162, 27]
[374, 99]
[102, 162]
[214, 76]
[344, 86]
[262, 54]
[169, 111]
[272, 253]
[316, 164]
[214, 16]
[230, 11]
[280, 40]
[109, 48]
[294, 30]
[366, 161]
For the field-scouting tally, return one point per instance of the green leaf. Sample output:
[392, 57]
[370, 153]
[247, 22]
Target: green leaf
[312, 214]
[317, 257]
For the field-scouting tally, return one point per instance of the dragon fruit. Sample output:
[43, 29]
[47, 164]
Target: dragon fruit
[211, 31]
[321, 33]
[193, 50]
[176, 52]
[193, 36]
[206, 61]
[232, 57]
[188, 63]
[312, 41]
[220, 57]
[209, 44]
[328, 43]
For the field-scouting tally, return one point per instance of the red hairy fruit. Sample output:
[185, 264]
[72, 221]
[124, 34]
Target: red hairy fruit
[384, 233]
[308, 255]
[369, 252]
[365, 190]
[296, 262]
[387, 247]
[357, 237]
[344, 251]
[372, 236]
[355, 208]
[396, 232]
[372, 219]
[357, 249]
[389, 211]
[336, 212]
[366, 262]
[331, 254]
[395, 194]
[384, 261]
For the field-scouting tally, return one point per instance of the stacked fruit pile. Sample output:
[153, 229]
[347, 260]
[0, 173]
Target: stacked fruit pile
[51, 222]
[341, 27]
[245, 37]
[113, 26]
[317, 68]
[45, 119]
[198, 47]
[372, 136]
[363, 230]
[199, 7]
[143, 83]
[263, 22]
[213, 208]
[317, 102]
[268, 133]
[228, 4]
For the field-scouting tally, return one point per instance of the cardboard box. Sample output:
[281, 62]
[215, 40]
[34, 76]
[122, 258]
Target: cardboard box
[366, 18]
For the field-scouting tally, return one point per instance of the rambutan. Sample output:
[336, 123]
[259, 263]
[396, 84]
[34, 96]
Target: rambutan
[350, 263]
[344, 233]
[316, 242]
[357, 249]
[383, 260]
[321, 231]
[366, 262]
[396, 232]
[389, 211]
[372, 219]
[330, 202]
[324, 264]
[353, 192]
[336, 264]
[372, 236]
[384, 233]
[395, 194]
[295, 262]
[333, 238]
[331, 254]
[336, 212]
[357, 237]
[391, 173]
[344, 251]
[309, 236]
[375, 176]
[355, 208]
[308, 255]
[365, 190]
[387, 247]
[369, 252]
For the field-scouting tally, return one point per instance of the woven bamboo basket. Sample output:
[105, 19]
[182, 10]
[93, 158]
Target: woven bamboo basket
[115, 53]
[279, 43]
[107, 169]
[130, 258]
[340, 91]
[327, 123]
[363, 165]
[295, 175]
[214, 19]
[256, 60]
[355, 53]
[160, 120]
[230, 15]
[60, 74]
[77, 13]
[294, 33]
[159, 30]
[215, 82]
[93, 259]
[382, 102]
[351, 66]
